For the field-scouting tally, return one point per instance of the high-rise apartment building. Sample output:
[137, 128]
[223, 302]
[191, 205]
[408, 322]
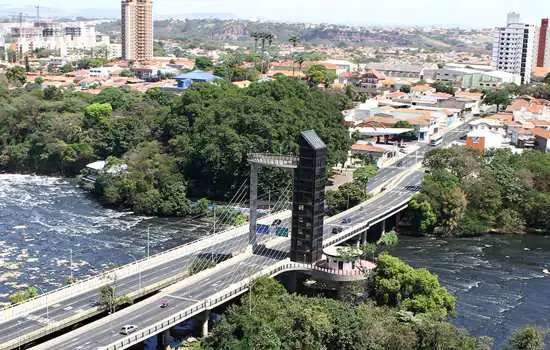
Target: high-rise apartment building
[514, 48]
[137, 30]
[543, 42]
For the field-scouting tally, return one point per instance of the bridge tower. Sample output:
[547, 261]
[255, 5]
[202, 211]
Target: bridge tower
[258, 160]
[308, 200]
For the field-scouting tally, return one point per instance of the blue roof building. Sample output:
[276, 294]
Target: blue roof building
[198, 76]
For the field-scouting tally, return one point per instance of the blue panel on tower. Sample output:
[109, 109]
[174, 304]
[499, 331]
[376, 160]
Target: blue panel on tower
[260, 228]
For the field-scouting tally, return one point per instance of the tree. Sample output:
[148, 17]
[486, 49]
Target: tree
[497, 97]
[397, 284]
[318, 74]
[363, 175]
[110, 301]
[126, 73]
[346, 196]
[39, 81]
[294, 41]
[405, 88]
[526, 338]
[389, 239]
[300, 61]
[446, 88]
[98, 113]
[203, 63]
[22, 296]
[547, 79]
[510, 221]
[66, 68]
[453, 208]
[16, 75]
[423, 215]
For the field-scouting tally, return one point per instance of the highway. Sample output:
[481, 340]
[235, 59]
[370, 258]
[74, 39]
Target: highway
[99, 333]
[38, 319]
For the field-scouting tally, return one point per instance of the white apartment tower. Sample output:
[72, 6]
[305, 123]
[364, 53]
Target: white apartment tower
[137, 29]
[514, 48]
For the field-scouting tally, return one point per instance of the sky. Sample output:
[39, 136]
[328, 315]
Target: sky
[468, 13]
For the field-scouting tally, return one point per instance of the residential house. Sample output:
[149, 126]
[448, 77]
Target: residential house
[376, 154]
[528, 108]
[422, 90]
[542, 139]
[522, 138]
[483, 140]
[371, 81]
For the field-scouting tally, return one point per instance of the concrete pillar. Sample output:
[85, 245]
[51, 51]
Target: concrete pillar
[364, 235]
[290, 281]
[383, 227]
[397, 220]
[164, 338]
[253, 205]
[205, 318]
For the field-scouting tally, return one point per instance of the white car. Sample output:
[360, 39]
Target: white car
[128, 329]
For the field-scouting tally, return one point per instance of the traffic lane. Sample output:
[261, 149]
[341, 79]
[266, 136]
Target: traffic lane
[152, 313]
[110, 332]
[87, 300]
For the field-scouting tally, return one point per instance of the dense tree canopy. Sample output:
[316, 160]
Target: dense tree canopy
[466, 193]
[397, 284]
[176, 146]
[283, 321]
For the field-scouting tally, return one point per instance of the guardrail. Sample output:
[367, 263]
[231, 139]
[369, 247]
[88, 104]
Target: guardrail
[208, 304]
[104, 278]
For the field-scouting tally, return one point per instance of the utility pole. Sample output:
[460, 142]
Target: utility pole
[37, 15]
[269, 199]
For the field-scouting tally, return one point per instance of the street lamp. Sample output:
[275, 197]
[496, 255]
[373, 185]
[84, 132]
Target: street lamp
[47, 305]
[148, 227]
[71, 264]
[139, 270]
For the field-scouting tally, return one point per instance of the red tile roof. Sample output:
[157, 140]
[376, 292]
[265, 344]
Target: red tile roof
[363, 147]
[542, 133]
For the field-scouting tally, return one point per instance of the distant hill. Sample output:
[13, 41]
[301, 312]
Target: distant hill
[238, 31]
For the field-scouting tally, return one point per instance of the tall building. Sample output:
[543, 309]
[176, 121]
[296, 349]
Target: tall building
[543, 50]
[137, 30]
[514, 48]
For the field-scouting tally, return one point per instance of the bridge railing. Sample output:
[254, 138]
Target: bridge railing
[215, 300]
[133, 268]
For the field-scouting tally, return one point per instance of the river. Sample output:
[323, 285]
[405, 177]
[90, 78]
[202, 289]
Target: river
[498, 280]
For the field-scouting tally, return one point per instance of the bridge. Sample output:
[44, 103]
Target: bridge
[168, 274]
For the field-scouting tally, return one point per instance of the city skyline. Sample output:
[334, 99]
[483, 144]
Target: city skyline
[467, 13]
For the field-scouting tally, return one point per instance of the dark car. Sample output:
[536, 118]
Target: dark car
[164, 305]
[346, 221]
[336, 230]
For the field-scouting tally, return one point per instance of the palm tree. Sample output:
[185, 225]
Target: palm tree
[269, 37]
[300, 60]
[256, 37]
[294, 41]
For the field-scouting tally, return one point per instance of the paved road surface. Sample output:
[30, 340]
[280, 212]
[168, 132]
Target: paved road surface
[150, 311]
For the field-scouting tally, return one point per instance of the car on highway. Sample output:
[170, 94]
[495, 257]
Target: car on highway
[336, 230]
[346, 221]
[129, 328]
[164, 305]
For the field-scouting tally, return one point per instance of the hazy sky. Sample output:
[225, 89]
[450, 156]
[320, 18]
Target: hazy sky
[478, 13]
